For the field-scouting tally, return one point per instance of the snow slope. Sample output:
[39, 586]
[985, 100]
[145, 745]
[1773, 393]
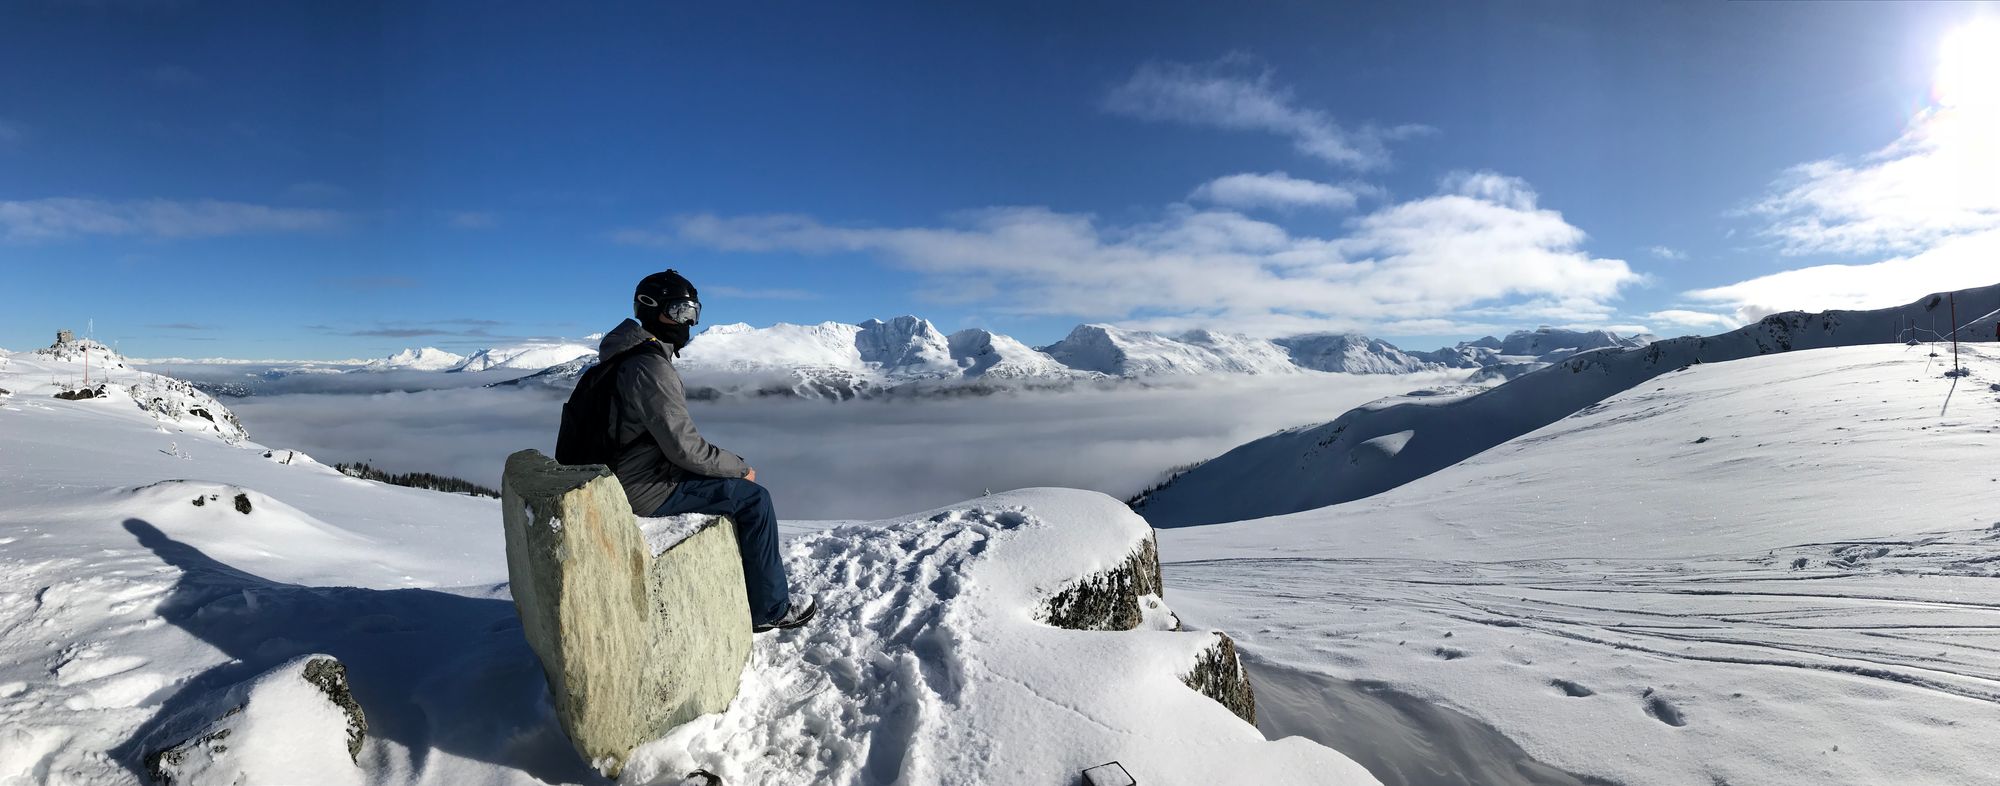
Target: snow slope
[1781, 569]
[149, 566]
[1314, 466]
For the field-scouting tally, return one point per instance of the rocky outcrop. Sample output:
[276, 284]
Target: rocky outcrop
[1219, 675]
[253, 734]
[635, 637]
[1119, 598]
[1111, 600]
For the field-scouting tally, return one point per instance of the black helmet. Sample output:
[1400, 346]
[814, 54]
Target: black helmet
[666, 292]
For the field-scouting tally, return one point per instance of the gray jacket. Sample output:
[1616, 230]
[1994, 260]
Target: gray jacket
[651, 421]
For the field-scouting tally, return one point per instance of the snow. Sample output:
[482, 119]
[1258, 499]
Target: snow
[1305, 468]
[927, 666]
[1137, 353]
[1351, 353]
[665, 532]
[424, 359]
[524, 357]
[127, 604]
[1772, 570]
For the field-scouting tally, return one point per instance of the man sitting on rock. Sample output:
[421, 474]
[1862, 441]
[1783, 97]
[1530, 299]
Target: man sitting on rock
[666, 466]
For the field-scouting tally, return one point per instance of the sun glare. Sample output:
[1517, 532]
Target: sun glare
[1968, 71]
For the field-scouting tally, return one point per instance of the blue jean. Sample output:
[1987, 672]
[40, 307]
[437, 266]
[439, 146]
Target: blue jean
[749, 505]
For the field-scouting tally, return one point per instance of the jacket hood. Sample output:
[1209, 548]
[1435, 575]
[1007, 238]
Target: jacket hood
[627, 335]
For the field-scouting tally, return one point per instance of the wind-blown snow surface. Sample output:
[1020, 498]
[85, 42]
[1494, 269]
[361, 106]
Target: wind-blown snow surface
[1783, 569]
[148, 565]
[1310, 467]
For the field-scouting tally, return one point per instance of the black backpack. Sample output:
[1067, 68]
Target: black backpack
[587, 418]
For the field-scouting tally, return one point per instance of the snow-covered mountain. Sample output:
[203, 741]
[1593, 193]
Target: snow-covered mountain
[1542, 345]
[1139, 353]
[1352, 353]
[424, 359]
[837, 360]
[523, 357]
[1388, 443]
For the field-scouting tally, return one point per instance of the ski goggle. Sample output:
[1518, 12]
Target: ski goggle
[686, 312]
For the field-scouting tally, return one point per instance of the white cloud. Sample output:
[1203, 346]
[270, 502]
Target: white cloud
[1936, 181]
[1492, 187]
[1666, 253]
[1478, 244]
[59, 217]
[1931, 198]
[1623, 330]
[1700, 320]
[1955, 263]
[1279, 190]
[1234, 93]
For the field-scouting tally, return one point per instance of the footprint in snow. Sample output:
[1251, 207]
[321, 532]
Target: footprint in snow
[1448, 653]
[1663, 710]
[1571, 689]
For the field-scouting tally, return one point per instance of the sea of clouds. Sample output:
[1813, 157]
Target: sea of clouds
[845, 460]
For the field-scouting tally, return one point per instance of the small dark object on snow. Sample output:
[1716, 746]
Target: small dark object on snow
[1800, 563]
[1110, 773]
[200, 500]
[80, 394]
[1699, 441]
[242, 503]
[701, 778]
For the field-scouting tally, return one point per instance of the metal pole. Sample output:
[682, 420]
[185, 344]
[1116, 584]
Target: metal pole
[1954, 333]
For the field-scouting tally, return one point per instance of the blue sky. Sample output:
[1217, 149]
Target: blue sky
[346, 179]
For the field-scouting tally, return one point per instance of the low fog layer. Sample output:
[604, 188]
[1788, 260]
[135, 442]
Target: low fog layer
[858, 459]
[273, 380]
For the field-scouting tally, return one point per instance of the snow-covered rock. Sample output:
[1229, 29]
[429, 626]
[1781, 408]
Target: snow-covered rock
[297, 723]
[59, 370]
[1351, 353]
[1321, 465]
[524, 357]
[424, 359]
[1138, 353]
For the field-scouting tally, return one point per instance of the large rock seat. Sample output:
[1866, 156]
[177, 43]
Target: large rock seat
[638, 632]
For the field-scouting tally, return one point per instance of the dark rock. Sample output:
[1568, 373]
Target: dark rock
[1219, 675]
[330, 676]
[1109, 600]
[242, 503]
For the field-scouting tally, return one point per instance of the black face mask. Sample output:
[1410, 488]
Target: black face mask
[676, 336]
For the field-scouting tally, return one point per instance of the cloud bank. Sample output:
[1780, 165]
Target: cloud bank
[1480, 240]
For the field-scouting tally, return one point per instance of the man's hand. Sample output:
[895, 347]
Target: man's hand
[751, 475]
